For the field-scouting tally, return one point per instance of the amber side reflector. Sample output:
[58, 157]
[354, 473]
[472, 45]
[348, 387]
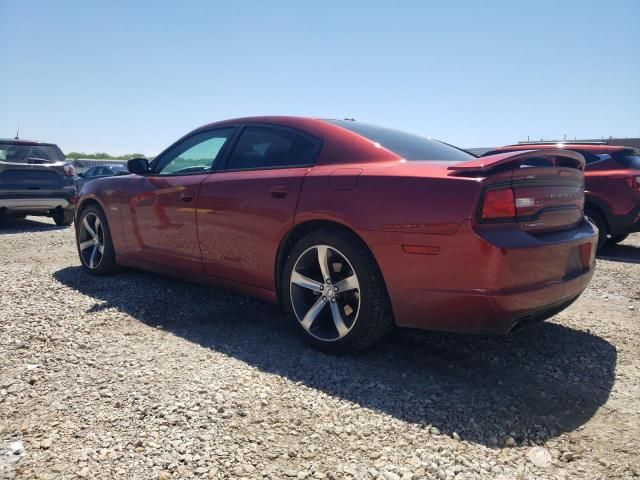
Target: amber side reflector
[421, 249]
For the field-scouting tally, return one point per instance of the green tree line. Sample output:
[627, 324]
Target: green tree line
[103, 156]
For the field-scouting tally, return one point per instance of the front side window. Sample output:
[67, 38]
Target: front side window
[196, 154]
[406, 145]
[265, 147]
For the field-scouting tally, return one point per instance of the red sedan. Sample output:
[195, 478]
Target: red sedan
[353, 228]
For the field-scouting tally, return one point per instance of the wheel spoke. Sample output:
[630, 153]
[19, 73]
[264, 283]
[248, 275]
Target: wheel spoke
[313, 312]
[323, 260]
[306, 282]
[337, 320]
[97, 225]
[87, 244]
[92, 259]
[101, 248]
[349, 283]
[87, 227]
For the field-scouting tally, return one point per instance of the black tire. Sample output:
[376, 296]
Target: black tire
[599, 221]
[63, 217]
[615, 239]
[373, 318]
[107, 262]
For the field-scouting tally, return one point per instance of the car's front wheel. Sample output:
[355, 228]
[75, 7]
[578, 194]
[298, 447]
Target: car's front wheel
[334, 293]
[93, 239]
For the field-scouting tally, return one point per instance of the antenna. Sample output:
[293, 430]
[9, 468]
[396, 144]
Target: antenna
[17, 137]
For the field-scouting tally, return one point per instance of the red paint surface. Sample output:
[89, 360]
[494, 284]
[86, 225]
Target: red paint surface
[479, 277]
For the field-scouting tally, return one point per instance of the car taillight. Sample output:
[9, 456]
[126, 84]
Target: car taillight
[69, 170]
[634, 183]
[498, 204]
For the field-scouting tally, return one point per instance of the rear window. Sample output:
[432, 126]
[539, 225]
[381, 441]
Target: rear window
[25, 153]
[406, 145]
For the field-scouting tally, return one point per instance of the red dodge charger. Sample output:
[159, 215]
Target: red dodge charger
[354, 228]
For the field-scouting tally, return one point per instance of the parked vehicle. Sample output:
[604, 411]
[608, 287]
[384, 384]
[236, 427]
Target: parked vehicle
[36, 179]
[612, 181]
[100, 171]
[352, 227]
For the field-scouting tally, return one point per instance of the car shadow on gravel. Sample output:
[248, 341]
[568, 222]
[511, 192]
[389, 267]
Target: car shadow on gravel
[536, 384]
[23, 225]
[620, 253]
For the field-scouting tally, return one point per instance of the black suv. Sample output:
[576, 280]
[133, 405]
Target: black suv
[36, 179]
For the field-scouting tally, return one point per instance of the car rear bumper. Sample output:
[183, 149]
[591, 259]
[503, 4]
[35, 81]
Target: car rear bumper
[36, 203]
[473, 285]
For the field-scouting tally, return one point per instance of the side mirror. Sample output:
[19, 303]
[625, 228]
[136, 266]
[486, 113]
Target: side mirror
[139, 166]
[80, 175]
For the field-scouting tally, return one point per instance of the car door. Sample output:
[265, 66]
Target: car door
[162, 205]
[245, 208]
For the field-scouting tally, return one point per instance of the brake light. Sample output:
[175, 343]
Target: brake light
[634, 183]
[69, 170]
[498, 204]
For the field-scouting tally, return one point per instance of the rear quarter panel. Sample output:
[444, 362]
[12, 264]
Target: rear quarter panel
[394, 205]
[611, 188]
[393, 197]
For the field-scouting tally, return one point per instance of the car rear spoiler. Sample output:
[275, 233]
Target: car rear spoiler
[482, 165]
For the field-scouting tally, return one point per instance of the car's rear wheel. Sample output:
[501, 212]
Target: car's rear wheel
[334, 293]
[63, 217]
[615, 239]
[93, 239]
[599, 221]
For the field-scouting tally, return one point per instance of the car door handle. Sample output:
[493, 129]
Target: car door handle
[279, 191]
[186, 196]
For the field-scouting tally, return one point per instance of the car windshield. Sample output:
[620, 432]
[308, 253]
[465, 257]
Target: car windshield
[29, 153]
[407, 145]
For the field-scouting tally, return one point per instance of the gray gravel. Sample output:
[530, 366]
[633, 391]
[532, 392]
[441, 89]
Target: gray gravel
[139, 376]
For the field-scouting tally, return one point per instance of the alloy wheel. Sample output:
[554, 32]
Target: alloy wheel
[91, 240]
[325, 293]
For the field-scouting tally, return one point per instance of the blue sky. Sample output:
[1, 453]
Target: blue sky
[122, 76]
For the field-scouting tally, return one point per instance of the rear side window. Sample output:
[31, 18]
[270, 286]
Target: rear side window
[629, 159]
[265, 147]
[25, 153]
[406, 145]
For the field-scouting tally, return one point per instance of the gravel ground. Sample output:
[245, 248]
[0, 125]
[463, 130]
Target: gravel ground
[139, 376]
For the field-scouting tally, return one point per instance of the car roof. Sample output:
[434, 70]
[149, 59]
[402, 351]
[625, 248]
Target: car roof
[19, 141]
[589, 147]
